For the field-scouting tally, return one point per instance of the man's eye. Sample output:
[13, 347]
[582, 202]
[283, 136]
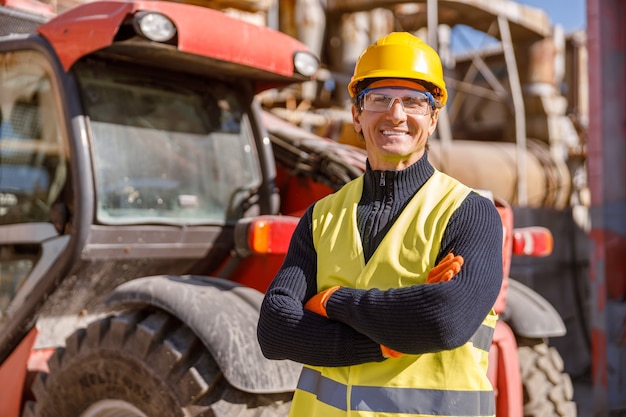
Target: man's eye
[413, 102]
[379, 98]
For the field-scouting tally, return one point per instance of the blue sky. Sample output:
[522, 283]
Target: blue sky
[571, 14]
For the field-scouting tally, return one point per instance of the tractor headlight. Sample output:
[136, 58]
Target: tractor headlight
[305, 63]
[154, 26]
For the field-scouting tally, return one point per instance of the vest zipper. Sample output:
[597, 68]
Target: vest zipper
[381, 182]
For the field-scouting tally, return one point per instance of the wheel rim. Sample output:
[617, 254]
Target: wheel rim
[112, 408]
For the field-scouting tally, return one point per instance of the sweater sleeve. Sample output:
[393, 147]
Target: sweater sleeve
[287, 331]
[433, 317]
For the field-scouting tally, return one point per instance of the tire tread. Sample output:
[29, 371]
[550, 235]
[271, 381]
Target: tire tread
[161, 348]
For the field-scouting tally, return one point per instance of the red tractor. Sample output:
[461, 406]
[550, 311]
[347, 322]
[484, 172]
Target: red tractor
[131, 146]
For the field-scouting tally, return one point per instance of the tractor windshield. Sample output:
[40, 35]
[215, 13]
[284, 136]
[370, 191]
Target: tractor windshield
[167, 152]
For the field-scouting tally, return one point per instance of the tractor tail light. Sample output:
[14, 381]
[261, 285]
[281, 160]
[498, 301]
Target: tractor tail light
[264, 235]
[533, 241]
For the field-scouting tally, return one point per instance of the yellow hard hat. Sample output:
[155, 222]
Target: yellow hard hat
[401, 55]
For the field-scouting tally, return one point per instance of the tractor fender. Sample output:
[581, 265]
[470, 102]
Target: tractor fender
[529, 314]
[224, 315]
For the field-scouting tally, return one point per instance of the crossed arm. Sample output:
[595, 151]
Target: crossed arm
[414, 319]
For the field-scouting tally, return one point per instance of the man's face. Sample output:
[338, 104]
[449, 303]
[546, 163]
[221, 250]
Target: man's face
[395, 138]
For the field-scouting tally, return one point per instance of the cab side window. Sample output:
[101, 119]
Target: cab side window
[32, 156]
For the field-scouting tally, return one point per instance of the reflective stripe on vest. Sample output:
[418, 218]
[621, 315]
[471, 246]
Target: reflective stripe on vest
[483, 337]
[396, 400]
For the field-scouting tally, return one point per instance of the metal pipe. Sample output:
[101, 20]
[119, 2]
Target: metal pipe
[444, 128]
[432, 16]
[518, 106]
[491, 166]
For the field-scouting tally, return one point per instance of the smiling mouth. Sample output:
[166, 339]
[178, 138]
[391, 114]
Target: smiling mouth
[393, 132]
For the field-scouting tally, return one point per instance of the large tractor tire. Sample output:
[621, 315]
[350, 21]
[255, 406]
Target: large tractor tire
[141, 364]
[548, 391]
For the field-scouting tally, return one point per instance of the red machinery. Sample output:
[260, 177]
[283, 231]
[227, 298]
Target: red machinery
[131, 146]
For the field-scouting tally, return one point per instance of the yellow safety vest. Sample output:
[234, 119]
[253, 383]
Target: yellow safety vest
[447, 383]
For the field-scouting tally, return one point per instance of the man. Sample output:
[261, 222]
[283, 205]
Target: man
[387, 290]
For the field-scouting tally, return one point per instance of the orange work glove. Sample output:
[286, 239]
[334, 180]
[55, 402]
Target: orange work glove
[389, 353]
[448, 267]
[317, 303]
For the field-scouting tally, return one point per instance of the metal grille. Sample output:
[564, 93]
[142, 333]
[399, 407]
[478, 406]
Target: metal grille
[13, 21]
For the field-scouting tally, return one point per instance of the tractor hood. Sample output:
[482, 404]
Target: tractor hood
[205, 39]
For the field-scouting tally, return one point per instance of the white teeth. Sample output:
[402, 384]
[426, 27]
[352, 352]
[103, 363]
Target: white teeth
[392, 132]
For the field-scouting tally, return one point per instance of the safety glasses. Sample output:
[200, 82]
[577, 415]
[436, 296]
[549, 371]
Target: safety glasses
[381, 99]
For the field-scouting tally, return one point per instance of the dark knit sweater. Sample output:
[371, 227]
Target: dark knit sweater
[414, 319]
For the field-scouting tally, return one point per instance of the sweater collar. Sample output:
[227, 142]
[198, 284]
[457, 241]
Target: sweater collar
[403, 182]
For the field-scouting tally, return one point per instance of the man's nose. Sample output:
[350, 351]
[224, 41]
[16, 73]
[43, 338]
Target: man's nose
[396, 109]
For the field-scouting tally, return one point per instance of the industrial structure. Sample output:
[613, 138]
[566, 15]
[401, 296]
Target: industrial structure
[536, 116]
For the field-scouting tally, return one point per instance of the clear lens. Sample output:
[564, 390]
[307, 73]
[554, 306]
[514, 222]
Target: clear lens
[305, 63]
[155, 26]
[381, 100]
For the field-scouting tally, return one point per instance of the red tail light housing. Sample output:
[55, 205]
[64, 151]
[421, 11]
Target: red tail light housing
[264, 235]
[535, 241]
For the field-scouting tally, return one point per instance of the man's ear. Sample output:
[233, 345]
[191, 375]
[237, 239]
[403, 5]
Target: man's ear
[356, 119]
